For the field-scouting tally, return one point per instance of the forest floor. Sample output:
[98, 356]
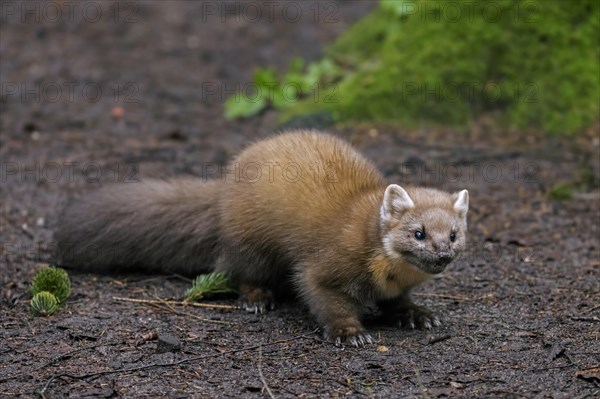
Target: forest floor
[138, 93]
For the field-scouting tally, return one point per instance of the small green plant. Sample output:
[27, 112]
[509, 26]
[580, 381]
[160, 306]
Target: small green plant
[207, 284]
[561, 192]
[281, 92]
[54, 280]
[44, 303]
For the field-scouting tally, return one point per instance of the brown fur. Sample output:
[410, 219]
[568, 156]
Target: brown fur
[302, 207]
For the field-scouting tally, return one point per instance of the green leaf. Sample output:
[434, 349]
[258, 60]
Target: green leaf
[286, 95]
[241, 106]
[265, 77]
[296, 65]
[207, 284]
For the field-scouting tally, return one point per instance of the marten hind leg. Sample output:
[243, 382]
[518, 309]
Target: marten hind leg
[255, 275]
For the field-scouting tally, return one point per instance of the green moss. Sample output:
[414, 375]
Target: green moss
[54, 280]
[429, 60]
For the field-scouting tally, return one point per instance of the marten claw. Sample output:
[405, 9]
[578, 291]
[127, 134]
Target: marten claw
[365, 339]
[430, 322]
[256, 308]
[355, 340]
[248, 308]
[417, 317]
[256, 299]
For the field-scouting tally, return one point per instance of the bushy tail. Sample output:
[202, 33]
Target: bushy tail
[156, 226]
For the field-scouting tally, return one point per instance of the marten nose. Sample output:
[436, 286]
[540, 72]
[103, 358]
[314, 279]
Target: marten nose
[444, 258]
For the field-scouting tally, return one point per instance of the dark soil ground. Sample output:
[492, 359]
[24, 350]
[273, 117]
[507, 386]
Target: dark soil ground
[521, 308]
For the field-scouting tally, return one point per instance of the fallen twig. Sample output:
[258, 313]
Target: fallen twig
[420, 383]
[160, 304]
[591, 309]
[585, 318]
[444, 296]
[260, 373]
[180, 303]
[433, 339]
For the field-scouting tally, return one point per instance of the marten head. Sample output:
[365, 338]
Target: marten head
[424, 227]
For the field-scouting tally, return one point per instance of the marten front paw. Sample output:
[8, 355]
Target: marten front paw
[418, 317]
[256, 299]
[352, 334]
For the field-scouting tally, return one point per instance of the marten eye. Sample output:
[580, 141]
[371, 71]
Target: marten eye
[419, 235]
[453, 236]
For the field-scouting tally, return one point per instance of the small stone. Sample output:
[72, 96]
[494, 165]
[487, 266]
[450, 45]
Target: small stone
[373, 133]
[382, 348]
[117, 113]
[168, 343]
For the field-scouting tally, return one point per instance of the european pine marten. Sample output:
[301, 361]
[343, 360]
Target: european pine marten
[302, 208]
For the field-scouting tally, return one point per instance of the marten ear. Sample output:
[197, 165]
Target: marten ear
[461, 204]
[395, 201]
